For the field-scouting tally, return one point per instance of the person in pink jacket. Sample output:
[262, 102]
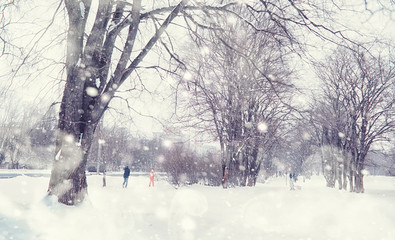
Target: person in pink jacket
[151, 178]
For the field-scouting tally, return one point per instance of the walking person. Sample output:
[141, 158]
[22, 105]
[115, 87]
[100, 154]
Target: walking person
[126, 175]
[151, 178]
[291, 181]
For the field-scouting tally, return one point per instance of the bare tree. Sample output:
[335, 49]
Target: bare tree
[236, 87]
[90, 85]
[329, 119]
[363, 86]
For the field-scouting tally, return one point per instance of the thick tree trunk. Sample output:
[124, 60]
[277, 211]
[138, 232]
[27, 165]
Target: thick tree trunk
[359, 183]
[68, 178]
[254, 166]
[359, 188]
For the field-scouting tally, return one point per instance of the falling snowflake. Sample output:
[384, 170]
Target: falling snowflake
[187, 76]
[262, 127]
[69, 138]
[105, 97]
[88, 74]
[306, 136]
[167, 143]
[160, 159]
[205, 51]
[231, 20]
[92, 92]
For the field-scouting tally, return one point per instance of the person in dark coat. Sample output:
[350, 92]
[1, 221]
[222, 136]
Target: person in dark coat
[126, 175]
[291, 181]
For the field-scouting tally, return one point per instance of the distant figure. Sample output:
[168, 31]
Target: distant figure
[151, 178]
[225, 177]
[291, 181]
[126, 175]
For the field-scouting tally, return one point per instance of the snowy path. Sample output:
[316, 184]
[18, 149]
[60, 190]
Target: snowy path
[268, 211]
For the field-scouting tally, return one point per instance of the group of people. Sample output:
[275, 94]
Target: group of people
[126, 175]
[293, 178]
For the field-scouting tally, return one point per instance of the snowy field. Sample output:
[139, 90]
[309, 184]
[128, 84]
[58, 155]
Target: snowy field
[269, 211]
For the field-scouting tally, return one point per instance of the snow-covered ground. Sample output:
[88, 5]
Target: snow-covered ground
[268, 211]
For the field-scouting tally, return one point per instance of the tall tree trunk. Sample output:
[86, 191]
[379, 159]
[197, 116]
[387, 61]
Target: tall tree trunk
[254, 166]
[359, 182]
[345, 170]
[340, 175]
[223, 163]
[14, 157]
[359, 188]
[351, 175]
[244, 168]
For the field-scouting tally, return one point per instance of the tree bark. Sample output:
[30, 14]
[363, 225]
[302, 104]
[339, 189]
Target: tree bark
[359, 188]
